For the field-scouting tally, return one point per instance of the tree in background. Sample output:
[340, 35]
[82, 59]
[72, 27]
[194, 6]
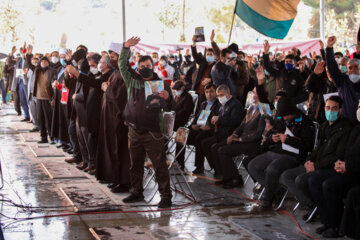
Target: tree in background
[10, 20]
[341, 19]
[63, 40]
[169, 15]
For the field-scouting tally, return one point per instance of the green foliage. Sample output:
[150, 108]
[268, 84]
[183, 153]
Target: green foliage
[170, 15]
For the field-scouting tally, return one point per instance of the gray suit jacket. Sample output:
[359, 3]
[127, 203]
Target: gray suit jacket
[16, 65]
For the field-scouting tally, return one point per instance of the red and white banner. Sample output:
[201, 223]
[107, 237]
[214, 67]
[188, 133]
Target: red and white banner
[303, 46]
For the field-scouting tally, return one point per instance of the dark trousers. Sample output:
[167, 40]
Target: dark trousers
[267, 168]
[82, 136]
[73, 140]
[296, 180]
[151, 144]
[226, 152]
[3, 90]
[92, 143]
[43, 108]
[209, 147]
[24, 98]
[350, 224]
[195, 138]
[17, 100]
[328, 188]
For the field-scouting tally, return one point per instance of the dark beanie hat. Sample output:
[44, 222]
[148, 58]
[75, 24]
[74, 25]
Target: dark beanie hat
[234, 47]
[286, 107]
[79, 54]
[290, 56]
[44, 59]
[178, 85]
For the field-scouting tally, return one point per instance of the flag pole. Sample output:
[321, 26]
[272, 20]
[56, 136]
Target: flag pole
[232, 25]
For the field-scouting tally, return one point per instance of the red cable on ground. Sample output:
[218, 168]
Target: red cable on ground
[280, 210]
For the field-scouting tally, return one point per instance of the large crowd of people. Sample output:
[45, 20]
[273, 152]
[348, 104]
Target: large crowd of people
[294, 117]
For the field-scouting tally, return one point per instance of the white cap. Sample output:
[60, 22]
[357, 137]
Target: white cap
[62, 51]
[115, 47]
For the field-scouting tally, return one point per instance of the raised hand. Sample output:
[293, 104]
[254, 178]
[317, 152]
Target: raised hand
[331, 41]
[266, 47]
[194, 40]
[13, 50]
[319, 68]
[68, 55]
[212, 35]
[132, 42]
[321, 44]
[29, 49]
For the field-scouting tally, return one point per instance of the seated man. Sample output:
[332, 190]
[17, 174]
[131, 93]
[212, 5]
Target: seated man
[202, 128]
[183, 106]
[230, 116]
[246, 139]
[333, 135]
[329, 187]
[290, 145]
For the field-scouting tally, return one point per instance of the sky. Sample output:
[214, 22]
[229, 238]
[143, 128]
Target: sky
[96, 23]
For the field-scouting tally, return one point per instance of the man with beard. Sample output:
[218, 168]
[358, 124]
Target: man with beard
[145, 128]
[42, 90]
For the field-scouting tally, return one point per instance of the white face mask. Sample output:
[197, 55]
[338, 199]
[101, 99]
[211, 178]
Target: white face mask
[338, 60]
[358, 114]
[178, 93]
[99, 67]
[94, 70]
[172, 61]
[223, 100]
[54, 60]
[354, 78]
[155, 60]
[162, 63]
[185, 70]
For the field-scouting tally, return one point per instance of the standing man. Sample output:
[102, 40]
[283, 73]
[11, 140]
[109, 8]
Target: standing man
[145, 128]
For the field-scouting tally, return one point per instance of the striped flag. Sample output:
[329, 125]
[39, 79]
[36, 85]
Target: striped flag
[272, 18]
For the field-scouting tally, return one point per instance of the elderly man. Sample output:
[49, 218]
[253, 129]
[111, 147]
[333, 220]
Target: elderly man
[348, 85]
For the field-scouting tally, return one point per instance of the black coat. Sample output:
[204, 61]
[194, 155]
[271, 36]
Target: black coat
[183, 109]
[290, 81]
[214, 112]
[230, 116]
[94, 99]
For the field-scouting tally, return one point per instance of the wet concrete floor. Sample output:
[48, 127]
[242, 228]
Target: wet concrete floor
[37, 188]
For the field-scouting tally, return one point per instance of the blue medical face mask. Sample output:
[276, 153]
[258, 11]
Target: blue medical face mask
[343, 68]
[331, 116]
[266, 72]
[289, 66]
[209, 59]
[275, 105]
[62, 61]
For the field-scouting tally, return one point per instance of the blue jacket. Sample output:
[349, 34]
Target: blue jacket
[230, 116]
[348, 91]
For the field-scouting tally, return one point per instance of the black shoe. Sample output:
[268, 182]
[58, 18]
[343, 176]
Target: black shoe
[111, 185]
[266, 205]
[82, 166]
[217, 175]
[321, 229]
[70, 151]
[25, 120]
[103, 182]
[120, 188]
[198, 170]
[331, 233]
[60, 146]
[233, 183]
[35, 129]
[221, 182]
[133, 198]
[65, 147]
[165, 203]
[43, 141]
[19, 114]
[52, 142]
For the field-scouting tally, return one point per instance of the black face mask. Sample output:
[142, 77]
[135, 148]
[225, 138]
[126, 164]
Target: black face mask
[146, 72]
[44, 68]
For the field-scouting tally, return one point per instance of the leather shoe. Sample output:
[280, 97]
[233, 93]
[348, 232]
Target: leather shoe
[81, 166]
[198, 170]
[165, 203]
[133, 198]
[89, 169]
[331, 233]
[221, 182]
[111, 185]
[92, 172]
[72, 160]
[233, 183]
[35, 129]
[43, 141]
[60, 146]
[25, 120]
[321, 229]
[120, 188]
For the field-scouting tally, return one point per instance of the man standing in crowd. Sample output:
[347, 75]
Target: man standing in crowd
[145, 128]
